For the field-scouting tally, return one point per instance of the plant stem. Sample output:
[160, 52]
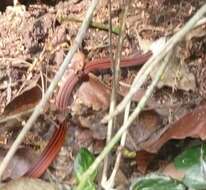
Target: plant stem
[115, 30]
[109, 129]
[116, 68]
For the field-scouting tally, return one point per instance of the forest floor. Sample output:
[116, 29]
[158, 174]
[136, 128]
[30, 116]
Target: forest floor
[34, 40]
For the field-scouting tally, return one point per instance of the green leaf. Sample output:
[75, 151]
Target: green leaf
[82, 162]
[156, 182]
[190, 157]
[192, 162]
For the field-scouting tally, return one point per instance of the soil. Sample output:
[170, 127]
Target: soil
[36, 35]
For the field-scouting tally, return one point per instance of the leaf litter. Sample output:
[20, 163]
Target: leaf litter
[173, 112]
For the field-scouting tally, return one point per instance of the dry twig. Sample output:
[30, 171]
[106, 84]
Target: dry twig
[109, 126]
[110, 182]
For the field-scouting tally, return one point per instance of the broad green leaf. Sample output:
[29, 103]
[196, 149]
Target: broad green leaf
[190, 157]
[192, 162]
[82, 162]
[156, 182]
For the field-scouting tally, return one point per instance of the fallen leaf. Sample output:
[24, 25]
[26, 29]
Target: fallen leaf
[20, 163]
[23, 104]
[146, 124]
[176, 75]
[100, 100]
[143, 159]
[20, 106]
[124, 89]
[93, 94]
[26, 100]
[190, 125]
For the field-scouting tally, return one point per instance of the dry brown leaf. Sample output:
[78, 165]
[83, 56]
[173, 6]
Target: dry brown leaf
[190, 125]
[24, 101]
[93, 94]
[27, 183]
[22, 104]
[96, 95]
[19, 164]
[147, 123]
[143, 159]
[176, 75]
[124, 89]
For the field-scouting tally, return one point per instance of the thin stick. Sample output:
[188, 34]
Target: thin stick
[109, 126]
[122, 144]
[176, 38]
[153, 61]
[39, 108]
[100, 26]
[110, 183]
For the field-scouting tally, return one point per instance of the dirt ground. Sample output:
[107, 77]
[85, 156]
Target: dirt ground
[34, 39]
